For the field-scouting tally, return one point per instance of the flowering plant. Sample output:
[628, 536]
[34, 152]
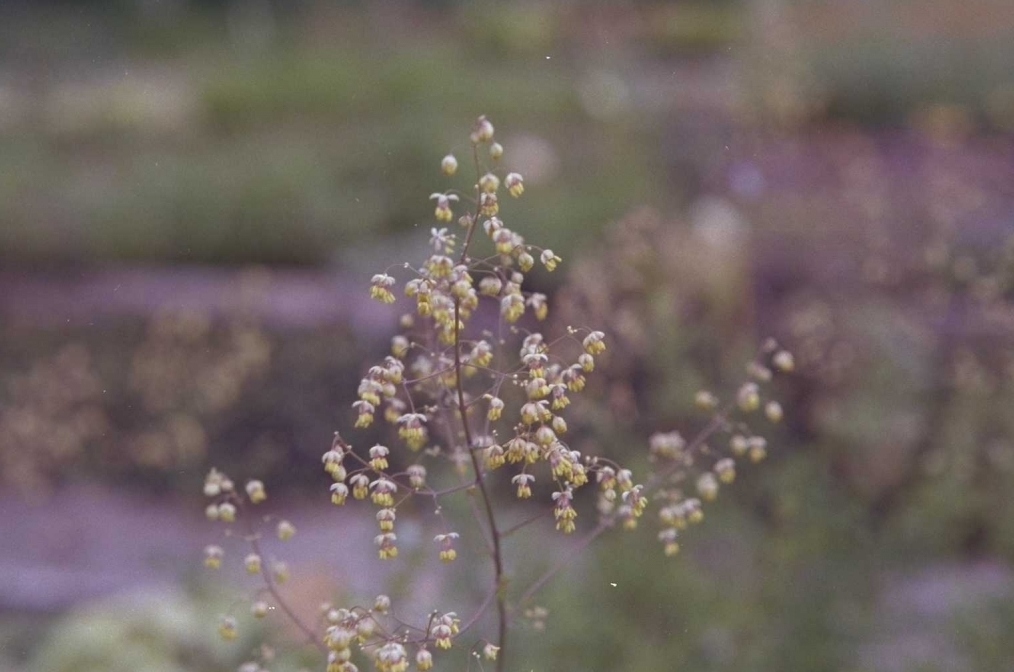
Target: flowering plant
[490, 403]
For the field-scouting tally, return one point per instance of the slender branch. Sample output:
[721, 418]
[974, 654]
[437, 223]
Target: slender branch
[524, 523]
[564, 561]
[472, 505]
[282, 604]
[471, 226]
[479, 612]
[463, 411]
[718, 421]
[480, 483]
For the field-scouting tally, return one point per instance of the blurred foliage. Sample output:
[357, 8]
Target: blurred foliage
[237, 132]
[146, 407]
[137, 632]
[890, 64]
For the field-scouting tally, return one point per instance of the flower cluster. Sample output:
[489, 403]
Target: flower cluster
[472, 384]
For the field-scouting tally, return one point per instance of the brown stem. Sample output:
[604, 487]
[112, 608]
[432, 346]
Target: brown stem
[282, 604]
[501, 604]
[564, 561]
[524, 523]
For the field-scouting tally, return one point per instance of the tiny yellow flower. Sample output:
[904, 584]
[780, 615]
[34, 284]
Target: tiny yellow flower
[550, 261]
[255, 491]
[416, 475]
[494, 457]
[360, 486]
[538, 303]
[488, 204]
[380, 288]
[339, 493]
[593, 343]
[748, 397]
[773, 411]
[705, 400]
[386, 517]
[378, 457]
[512, 307]
[391, 657]
[490, 286]
[784, 361]
[399, 346]
[227, 628]
[739, 444]
[365, 627]
[446, 541]
[449, 165]
[285, 530]
[524, 483]
[496, 406]
[383, 492]
[385, 543]
[443, 211]
[213, 556]
[758, 448]
[515, 184]
[668, 538]
[489, 183]
[482, 131]
[365, 410]
[504, 240]
[442, 636]
[226, 512]
[707, 486]
[725, 469]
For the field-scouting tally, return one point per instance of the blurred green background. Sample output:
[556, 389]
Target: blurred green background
[193, 196]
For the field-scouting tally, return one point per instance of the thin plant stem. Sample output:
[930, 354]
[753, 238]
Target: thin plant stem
[567, 559]
[269, 582]
[501, 604]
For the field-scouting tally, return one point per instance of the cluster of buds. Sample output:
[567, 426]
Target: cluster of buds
[422, 374]
[681, 461]
[226, 506]
[381, 637]
[448, 391]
